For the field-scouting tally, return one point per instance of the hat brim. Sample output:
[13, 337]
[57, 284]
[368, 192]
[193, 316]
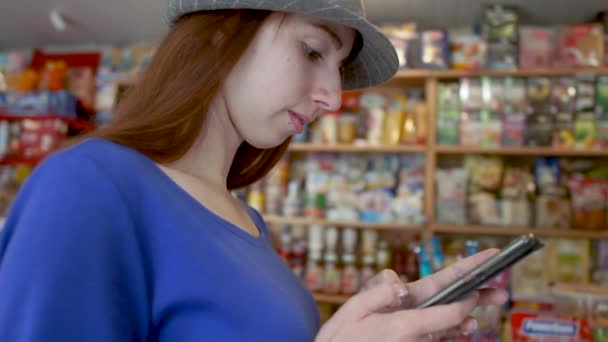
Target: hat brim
[376, 62]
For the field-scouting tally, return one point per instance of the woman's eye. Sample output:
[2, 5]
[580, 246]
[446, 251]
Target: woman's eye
[312, 54]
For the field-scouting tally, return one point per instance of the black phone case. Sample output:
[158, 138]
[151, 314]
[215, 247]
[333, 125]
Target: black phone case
[508, 256]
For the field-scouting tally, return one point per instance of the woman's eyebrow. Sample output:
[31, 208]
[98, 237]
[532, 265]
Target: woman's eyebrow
[334, 36]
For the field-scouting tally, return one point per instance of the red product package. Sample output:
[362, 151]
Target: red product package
[588, 203]
[543, 327]
[580, 46]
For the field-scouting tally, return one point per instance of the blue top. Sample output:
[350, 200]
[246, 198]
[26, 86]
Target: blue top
[101, 245]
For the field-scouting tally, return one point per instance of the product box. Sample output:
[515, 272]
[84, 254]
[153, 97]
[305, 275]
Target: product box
[60, 103]
[471, 94]
[580, 46]
[471, 128]
[406, 41]
[536, 46]
[502, 56]
[448, 127]
[500, 23]
[3, 103]
[541, 327]
[491, 129]
[539, 130]
[434, 50]
[469, 52]
[514, 128]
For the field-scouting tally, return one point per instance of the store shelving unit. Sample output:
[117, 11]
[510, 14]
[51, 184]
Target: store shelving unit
[346, 148]
[331, 299]
[514, 231]
[429, 80]
[521, 151]
[275, 219]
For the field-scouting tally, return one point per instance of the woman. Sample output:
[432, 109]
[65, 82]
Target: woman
[133, 235]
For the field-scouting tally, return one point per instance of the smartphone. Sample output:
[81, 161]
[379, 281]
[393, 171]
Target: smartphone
[508, 256]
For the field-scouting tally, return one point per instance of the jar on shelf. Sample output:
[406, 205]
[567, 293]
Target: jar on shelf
[350, 275]
[314, 271]
[331, 274]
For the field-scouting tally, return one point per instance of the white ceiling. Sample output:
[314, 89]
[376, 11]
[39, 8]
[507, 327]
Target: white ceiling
[25, 23]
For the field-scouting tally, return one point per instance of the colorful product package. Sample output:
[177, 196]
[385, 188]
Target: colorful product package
[536, 46]
[588, 203]
[515, 93]
[529, 276]
[493, 93]
[563, 94]
[451, 196]
[405, 40]
[471, 128]
[485, 173]
[469, 52]
[602, 94]
[483, 209]
[500, 23]
[569, 261]
[434, 50]
[514, 128]
[540, 327]
[553, 212]
[448, 128]
[539, 129]
[580, 46]
[491, 128]
[41, 103]
[563, 136]
[448, 97]
[502, 56]
[585, 131]
[585, 93]
[546, 172]
[539, 92]
[471, 94]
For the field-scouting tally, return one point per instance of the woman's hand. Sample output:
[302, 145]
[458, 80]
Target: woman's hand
[380, 312]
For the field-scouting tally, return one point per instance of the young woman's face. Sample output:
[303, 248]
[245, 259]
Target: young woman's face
[287, 76]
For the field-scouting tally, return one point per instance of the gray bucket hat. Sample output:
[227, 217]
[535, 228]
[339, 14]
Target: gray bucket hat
[376, 62]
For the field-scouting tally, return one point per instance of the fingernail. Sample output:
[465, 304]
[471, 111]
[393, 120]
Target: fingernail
[469, 327]
[400, 290]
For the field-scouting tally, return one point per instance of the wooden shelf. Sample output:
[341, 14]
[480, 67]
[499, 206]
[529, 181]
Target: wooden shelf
[454, 74]
[275, 219]
[332, 299]
[312, 147]
[507, 231]
[520, 151]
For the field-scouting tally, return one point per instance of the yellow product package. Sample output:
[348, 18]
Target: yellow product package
[569, 260]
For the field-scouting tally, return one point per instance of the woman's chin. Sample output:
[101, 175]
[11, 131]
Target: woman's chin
[266, 143]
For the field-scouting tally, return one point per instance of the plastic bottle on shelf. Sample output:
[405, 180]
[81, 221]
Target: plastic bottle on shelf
[292, 203]
[369, 268]
[331, 274]
[314, 271]
[349, 240]
[315, 237]
[350, 275]
[298, 251]
[331, 239]
[285, 246]
[383, 256]
[370, 238]
[256, 197]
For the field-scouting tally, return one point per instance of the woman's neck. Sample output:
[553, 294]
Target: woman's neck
[212, 154]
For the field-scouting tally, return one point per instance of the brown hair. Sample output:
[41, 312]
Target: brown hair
[162, 115]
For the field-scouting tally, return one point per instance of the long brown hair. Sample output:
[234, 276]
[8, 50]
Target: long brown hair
[161, 116]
